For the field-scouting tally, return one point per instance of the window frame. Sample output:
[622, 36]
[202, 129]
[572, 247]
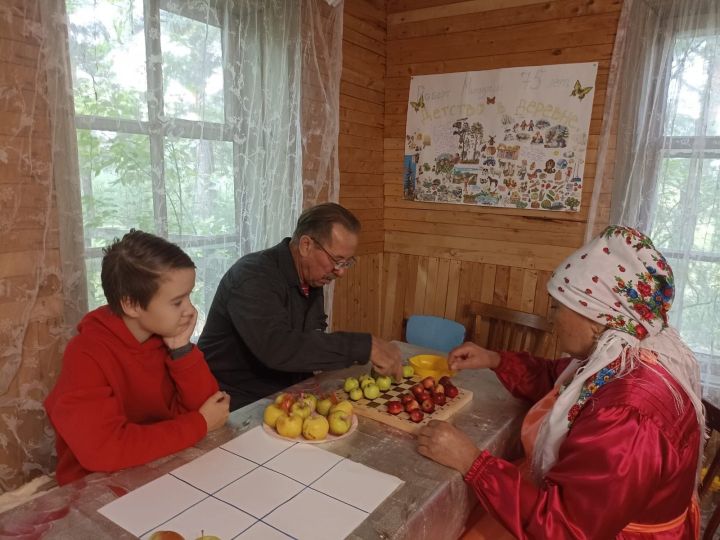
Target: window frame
[157, 127]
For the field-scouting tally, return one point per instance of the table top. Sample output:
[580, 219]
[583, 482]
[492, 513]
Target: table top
[434, 501]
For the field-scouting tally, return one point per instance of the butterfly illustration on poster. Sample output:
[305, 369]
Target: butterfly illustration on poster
[514, 137]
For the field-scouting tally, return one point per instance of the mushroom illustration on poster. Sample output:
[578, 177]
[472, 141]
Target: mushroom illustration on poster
[514, 137]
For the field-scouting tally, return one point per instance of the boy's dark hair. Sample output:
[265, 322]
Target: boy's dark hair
[317, 222]
[132, 267]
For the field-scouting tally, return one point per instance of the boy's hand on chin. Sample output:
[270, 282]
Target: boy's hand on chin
[183, 337]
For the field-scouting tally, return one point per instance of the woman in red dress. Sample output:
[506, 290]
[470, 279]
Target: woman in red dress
[614, 440]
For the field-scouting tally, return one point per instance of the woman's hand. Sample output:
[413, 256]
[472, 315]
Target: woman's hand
[446, 444]
[471, 356]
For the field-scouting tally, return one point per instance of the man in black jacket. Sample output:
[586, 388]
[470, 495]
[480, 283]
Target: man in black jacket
[266, 328]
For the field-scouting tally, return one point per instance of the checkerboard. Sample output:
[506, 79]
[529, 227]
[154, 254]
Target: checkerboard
[377, 408]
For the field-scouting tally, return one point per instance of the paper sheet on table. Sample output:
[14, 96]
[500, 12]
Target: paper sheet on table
[252, 483]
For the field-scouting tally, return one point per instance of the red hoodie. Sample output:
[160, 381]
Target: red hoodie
[120, 403]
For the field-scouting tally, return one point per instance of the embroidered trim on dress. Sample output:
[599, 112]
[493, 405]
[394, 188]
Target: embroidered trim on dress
[592, 385]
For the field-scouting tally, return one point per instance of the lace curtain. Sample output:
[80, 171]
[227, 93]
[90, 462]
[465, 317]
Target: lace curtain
[209, 122]
[667, 173]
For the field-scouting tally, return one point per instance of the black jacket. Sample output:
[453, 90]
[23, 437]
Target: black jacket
[262, 334]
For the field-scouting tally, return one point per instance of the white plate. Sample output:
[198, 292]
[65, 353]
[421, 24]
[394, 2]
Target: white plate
[330, 438]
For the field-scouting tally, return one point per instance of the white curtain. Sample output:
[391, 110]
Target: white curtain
[209, 122]
[667, 173]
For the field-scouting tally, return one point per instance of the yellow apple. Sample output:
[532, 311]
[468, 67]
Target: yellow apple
[271, 414]
[207, 537]
[301, 408]
[324, 405]
[364, 377]
[366, 382]
[315, 428]
[289, 426]
[339, 422]
[344, 406]
[283, 397]
[383, 383]
[408, 371]
[356, 394]
[350, 383]
[311, 400]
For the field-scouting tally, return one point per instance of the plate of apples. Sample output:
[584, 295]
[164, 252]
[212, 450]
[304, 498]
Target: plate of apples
[308, 419]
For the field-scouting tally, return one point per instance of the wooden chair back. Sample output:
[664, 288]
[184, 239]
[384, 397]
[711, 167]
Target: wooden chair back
[712, 421]
[504, 329]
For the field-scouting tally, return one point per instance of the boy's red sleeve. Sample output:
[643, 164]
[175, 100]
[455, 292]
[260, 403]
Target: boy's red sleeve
[194, 381]
[89, 417]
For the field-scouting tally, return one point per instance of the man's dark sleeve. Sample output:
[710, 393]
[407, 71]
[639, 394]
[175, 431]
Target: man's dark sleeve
[259, 315]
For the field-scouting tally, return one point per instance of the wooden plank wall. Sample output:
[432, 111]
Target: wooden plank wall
[31, 304]
[362, 119]
[437, 258]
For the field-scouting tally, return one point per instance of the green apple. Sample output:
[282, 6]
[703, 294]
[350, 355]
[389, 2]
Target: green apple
[350, 383]
[366, 382]
[408, 371]
[371, 391]
[271, 414]
[315, 428]
[344, 406]
[356, 394]
[384, 383]
[301, 409]
[339, 422]
[323, 406]
[289, 426]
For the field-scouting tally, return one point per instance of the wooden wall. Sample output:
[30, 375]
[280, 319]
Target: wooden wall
[362, 120]
[438, 257]
[31, 304]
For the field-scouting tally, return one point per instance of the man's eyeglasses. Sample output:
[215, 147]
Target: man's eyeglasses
[339, 264]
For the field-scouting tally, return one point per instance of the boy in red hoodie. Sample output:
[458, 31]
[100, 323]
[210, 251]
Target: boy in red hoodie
[133, 388]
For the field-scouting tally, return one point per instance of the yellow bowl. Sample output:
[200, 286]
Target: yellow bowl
[430, 365]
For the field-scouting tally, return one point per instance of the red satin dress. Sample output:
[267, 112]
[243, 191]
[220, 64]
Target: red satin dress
[625, 471]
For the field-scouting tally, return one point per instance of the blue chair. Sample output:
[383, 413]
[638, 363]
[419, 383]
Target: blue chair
[434, 332]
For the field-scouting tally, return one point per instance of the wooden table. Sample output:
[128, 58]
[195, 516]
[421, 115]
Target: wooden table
[433, 503]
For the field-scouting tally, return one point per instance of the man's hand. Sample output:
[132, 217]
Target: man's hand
[216, 410]
[183, 336]
[446, 444]
[471, 356]
[386, 358]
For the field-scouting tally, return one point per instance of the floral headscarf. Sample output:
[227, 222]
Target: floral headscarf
[621, 281]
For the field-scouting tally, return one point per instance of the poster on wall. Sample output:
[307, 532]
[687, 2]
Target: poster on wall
[513, 137]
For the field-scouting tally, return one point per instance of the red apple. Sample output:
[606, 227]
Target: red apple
[428, 382]
[406, 398]
[444, 380]
[417, 389]
[411, 406]
[451, 391]
[394, 407]
[416, 416]
[424, 395]
[439, 399]
[428, 406]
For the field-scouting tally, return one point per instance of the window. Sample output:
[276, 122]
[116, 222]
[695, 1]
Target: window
[176, 115]
[685, 212]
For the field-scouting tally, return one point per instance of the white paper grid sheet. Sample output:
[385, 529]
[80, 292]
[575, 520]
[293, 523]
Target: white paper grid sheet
[256, 487]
